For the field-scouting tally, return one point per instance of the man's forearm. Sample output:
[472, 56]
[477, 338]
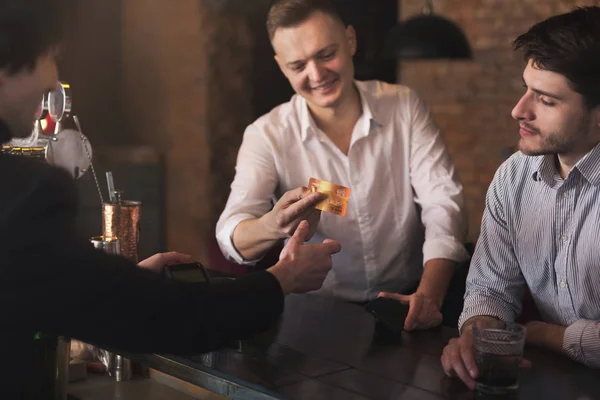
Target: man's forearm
[436, 278]
[545, 335]
[252, 240]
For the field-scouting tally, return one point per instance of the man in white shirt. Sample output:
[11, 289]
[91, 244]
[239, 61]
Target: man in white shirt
[377, 139]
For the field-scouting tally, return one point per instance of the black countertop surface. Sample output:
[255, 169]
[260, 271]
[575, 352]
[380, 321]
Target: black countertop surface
[329, 349]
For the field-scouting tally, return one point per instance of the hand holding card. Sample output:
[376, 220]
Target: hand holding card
[336, 200]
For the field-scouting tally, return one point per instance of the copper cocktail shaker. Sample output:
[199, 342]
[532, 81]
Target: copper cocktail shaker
[122, 221]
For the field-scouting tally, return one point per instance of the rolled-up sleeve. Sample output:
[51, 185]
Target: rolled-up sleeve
[495, 284]
[252, 190]
[437, 189]
[582, 342]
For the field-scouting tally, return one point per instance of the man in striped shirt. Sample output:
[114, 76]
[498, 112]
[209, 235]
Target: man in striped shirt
[541, 224]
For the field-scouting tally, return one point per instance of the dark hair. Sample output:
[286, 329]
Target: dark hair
[568, 44]
[28, 29]
[286, 13]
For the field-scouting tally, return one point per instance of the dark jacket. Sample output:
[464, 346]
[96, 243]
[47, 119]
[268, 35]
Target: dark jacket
[53, 280]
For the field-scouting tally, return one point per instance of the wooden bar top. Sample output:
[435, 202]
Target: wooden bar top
[324, 348]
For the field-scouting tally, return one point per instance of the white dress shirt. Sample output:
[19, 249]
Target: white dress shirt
[396, 161]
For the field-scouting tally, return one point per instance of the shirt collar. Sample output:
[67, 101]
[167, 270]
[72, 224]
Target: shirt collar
[369, 112]
[545, 170]
[5, 134]
[307, 122]
[588, 166]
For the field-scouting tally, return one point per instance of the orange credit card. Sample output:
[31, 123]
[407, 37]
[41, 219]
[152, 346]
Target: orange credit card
[336, 201]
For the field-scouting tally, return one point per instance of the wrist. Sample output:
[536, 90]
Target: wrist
[437, 274]
[435, 299]
[545, 335]
[467, 328]
[481, 320]
[281, 272]
[533, 333]
[269, 226]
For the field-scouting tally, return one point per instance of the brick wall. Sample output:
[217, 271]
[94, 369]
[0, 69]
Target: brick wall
[472, 100]
[184, 71]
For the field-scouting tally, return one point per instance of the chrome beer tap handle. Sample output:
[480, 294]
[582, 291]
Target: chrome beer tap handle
[59, 106]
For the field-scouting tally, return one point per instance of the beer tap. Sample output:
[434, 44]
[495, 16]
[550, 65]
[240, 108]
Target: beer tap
[40, 114]
[59, 106]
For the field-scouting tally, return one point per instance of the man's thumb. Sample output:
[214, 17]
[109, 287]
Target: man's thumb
[300, 234]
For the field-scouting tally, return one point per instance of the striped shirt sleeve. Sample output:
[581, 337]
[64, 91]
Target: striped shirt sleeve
[495, 283]
[582, 342]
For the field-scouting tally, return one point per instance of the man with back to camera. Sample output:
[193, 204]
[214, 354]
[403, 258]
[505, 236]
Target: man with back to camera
[542, 217]
[378, 140]
[54, 281]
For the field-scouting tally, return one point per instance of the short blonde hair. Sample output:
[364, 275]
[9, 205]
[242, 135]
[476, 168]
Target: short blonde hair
[286, 13]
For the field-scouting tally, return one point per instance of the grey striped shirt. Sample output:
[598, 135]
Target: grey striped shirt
[544, 232]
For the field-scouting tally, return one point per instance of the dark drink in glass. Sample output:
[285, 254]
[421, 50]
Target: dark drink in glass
[497, 371]
[498, 352]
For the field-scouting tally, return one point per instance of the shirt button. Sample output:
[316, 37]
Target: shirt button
[564, 237]
[566, 194]
[563, 284]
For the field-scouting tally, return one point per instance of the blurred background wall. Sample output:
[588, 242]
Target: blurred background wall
[165, 89]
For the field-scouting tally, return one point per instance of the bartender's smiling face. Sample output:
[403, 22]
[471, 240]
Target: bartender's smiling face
[21, 93]
[554, 118]
[316, 57]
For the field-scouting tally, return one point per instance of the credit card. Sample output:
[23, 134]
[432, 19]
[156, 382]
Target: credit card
[336, 200]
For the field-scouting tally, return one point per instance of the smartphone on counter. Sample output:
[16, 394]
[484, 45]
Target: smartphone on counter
[189, 272]
[391, 313]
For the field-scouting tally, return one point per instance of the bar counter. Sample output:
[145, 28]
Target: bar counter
[324, 348]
